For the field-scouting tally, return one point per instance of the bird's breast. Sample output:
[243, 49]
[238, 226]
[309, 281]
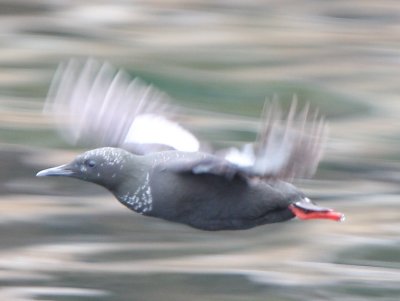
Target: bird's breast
[139, 199]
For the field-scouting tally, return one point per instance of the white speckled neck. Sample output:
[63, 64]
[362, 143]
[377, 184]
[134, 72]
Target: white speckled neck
[141, 200]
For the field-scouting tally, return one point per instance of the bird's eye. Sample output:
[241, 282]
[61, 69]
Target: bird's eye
[91, 163]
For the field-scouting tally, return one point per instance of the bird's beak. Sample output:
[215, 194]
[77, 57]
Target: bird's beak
[305, 209]
[62, 170]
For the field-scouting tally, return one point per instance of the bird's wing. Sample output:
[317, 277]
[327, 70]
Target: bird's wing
[202, 163]
[94, 103]
[284, 149]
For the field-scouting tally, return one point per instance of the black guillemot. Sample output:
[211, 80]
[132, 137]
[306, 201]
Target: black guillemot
[156, 168]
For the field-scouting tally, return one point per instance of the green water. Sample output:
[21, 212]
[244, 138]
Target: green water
[68, 240]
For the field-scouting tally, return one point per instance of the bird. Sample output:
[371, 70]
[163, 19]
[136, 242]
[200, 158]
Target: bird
[157, 168]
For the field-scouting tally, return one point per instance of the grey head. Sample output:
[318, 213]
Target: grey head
[103, 166]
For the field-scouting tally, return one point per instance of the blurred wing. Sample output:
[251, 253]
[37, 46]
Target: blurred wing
[94, 103]
[284, 149]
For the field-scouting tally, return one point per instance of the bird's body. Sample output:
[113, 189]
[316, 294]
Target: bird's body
[192, 188]
[237, 190]
[218, 205]
[204, 201]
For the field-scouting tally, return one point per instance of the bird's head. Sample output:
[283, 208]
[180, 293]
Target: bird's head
[103, 166]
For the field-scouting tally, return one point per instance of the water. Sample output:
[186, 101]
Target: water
[68, 240]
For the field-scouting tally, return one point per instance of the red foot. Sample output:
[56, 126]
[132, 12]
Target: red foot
[329, 214]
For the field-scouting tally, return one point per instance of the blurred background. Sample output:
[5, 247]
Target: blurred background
[69, 240]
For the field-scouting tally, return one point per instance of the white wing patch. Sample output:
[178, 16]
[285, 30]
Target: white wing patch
[153, 129]
[243, 158]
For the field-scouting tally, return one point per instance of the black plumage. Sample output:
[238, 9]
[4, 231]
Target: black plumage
[154, 167]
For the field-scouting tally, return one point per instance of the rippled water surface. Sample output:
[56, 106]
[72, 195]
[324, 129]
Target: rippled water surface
[68, 240]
